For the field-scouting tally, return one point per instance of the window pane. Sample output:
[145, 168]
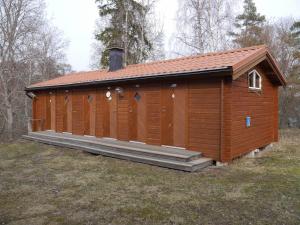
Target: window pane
[257, 81]
[251, 81]
[90, 98]
[137, 97]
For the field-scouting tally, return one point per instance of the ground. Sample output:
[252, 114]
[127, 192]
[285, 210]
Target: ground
[40, 184]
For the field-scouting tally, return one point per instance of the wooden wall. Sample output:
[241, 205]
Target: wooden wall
[41, 107]
[261, 106]
[175, 113]
[206, 115]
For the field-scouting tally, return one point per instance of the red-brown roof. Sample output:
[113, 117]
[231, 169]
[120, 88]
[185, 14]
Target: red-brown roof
[234, 59]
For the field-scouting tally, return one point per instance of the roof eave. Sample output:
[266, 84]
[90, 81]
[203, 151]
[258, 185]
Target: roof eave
[227, 69]
[255, 59]
[276, 68]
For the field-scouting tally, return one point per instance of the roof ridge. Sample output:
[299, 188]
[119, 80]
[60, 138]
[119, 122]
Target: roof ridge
[201, 55]
[83, 72]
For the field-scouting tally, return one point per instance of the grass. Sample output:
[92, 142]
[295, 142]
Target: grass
[40, 184]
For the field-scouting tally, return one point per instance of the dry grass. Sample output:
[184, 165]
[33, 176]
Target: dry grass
[40, 184]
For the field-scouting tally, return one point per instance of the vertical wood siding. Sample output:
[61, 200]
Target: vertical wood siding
[68, 111]
[53, 110]
[141, 116]
[99, 112]
[113, 115]
[167, 114]
[60, 112]
[132, 116]
[47, 112]
[179, 115]
[275, 114]
[227, 121]
[123, 116]
[38, 113]
[77, 113]
[153, 110]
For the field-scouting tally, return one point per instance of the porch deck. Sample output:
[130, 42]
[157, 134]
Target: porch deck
[168, 157]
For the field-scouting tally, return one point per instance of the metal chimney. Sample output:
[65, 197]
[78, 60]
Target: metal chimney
[116, 59]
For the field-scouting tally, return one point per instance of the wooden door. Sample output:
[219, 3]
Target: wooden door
[59, 111]
[134, 99]
[99, 113]
[37, 113]
[153, 114]
[47, 125]
[113, 110]
[87, 112]
[106, 114]
[53, 110]
[123, 115]
[167, 115]
[65, 111]
[77, 113]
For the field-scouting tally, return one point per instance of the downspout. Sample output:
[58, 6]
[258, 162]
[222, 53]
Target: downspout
[221, 119]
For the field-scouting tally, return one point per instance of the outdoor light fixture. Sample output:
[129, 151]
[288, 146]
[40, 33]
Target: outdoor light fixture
[108, 94]
[119, 90]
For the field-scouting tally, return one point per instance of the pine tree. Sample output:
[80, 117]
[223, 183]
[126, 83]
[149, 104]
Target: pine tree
[125, 27]
[295, 30]
[295, 45]
[249, 26]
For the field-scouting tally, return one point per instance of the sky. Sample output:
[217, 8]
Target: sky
[76, 19]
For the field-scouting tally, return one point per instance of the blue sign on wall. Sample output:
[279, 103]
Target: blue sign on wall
[248, 121]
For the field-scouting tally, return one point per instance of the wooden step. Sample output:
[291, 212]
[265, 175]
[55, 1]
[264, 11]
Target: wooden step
[132, 148]
[163, 160]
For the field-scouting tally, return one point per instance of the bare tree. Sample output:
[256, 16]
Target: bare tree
[203, 26]
[19, 20]
[29, 52]
[286, 49]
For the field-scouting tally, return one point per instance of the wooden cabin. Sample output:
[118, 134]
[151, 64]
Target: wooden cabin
[222, 104]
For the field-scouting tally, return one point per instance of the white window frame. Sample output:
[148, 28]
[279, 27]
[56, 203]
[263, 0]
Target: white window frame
[252, 75]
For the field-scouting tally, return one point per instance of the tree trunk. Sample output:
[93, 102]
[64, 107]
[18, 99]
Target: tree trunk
[9, 113]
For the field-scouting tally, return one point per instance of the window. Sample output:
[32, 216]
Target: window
[137, 97]
[66, 99]
[254, 80]
[90, 98]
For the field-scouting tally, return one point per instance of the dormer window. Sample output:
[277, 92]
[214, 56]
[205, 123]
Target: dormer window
[254, 80]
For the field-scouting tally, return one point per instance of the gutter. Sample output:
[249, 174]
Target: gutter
[227, 69]
[30, 95]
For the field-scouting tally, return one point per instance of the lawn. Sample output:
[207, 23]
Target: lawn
[40, 184]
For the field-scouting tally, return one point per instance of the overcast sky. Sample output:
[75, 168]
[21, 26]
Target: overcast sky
[76, 19]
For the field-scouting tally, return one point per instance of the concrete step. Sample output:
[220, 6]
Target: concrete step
[132, 148]
[190, 166]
